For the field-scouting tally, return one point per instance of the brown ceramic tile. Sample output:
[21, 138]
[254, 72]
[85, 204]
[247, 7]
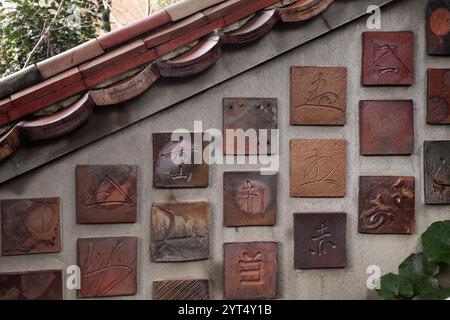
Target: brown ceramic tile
[182, 173]
[30, 226]
[437, 172]
[248, 10]
[386, 127]
[182, 9]
[20, 80]
[108, 266]
[179, 232]
[251, 270]
[33, 285]
[106, 194]
[318, 168]
[438, 27]
[388, 58]
[181, 290]
[320, 240]
[225, 8]
[250, 199]
[245, 114]
[438, 111]
[386, 205]
[318, 95]
[303, 10]
[10, 142]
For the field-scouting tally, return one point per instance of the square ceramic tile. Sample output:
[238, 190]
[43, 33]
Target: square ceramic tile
[181, 290]
[438, 107]
[437, 172]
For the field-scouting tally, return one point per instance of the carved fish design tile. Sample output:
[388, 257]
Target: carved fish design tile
[437, 172]
[438, 108]
[181, 290]
[386, 205]
[179, 231]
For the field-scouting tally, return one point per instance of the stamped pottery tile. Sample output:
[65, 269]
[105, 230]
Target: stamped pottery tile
[181, 290]
[108, 266]
[438, 27]
[249, 114]
[386, 205]
[106, 194]
[175, 165]
[250, 199]
[388, 58]
[318, 96]
[32, 285]
[320, 240]
[437, 172]
[30, 226]
[438, 111]
[251, 270]
[386, 127]
[179, 231]
[318, 168]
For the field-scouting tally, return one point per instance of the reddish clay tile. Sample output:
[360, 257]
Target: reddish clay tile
[224, 9]
[438, 111]
[253, 7]
[69, 59]
[183, 9]
[438, 27]
[181, 290]
[10, 142]
[112, 58]
[303, 10]
[5, 106]
[120, 68]
[20, 80]
[388, 58]
[386, 127]
[134, 29]
[176, 30]
[255, 28]
[46, 87]
[196, 60]
[436, 161]
[127, 89]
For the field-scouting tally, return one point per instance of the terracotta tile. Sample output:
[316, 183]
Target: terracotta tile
[70, 58]
[250, 270]
[10, 143]
[5, 106]
[303, 10]
[318, 95]
[20, 80]
[182, 173]
[437, 172]
[112, 58]
[248, 10]
[320, 240]
[245, 114]
[32, 285]
[386, 205]
[225, 8]
[199, 58]
[438, 27]
[133, 29]
[181, 290]
[108, 266]
[388, 58]
[30, 226]
[386, 127]
[179, 232]
[183, 9]
[438, 111]
[318, 168]
[106, 194]
[250, 199]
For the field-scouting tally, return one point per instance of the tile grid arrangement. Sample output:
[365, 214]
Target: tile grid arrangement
[179, 231]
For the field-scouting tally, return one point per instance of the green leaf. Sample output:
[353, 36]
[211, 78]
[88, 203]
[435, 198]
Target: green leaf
[393, 287]
[436, 242]
[426, 286]
[417, 266]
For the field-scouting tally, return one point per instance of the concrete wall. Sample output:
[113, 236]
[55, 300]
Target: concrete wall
[133, 146]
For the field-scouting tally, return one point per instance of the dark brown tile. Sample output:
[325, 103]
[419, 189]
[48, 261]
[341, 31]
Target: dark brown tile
[183, 172]
[108, 266]
[30, 226]
[438, 27]
[388, 58]
[320, 240]
[106, 194]
[318, 95]
[32, 285]
[437, 172]
[179, 231]
[245, 114]
[251, 270]
[386, 205]
[386, 127]
[438, 109]
[181, 290]
[318, 168]
[250, 199]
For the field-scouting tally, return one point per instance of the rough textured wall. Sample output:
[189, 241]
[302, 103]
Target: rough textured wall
[133, 146]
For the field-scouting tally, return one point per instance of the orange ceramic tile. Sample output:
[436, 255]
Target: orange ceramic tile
[248, 10]
[183, 9]
[224, 9]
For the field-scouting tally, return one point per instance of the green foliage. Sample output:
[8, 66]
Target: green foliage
[417, 274]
